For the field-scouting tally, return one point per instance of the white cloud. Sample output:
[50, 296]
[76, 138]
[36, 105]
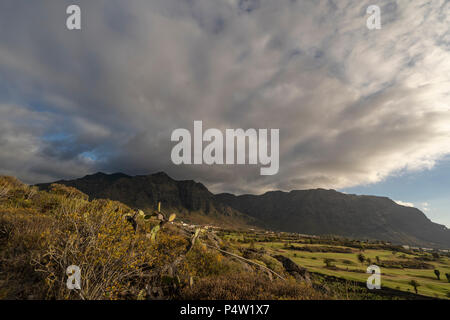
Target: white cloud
[353, 106]
[405, 204]
[425, 207]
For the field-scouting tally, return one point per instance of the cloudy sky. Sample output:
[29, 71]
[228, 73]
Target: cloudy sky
[359, 110]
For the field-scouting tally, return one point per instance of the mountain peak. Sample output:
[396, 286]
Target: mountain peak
[103, 175]
[161, 174]
[97, 174]
[316, 212]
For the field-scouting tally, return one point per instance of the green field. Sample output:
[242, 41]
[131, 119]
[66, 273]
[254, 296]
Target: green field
[347, 266]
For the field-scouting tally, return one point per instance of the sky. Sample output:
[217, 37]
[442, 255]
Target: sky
[360, 111]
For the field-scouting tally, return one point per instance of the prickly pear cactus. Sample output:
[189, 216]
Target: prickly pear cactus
[162, 221]
[154, 232]
[196, 234]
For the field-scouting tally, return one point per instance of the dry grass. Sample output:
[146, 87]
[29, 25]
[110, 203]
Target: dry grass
[245, 286]
[42, 233]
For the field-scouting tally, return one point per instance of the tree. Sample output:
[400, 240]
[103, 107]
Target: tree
[435, 255]
[378, 259]
[361, 258]
[415, 285]
[438, 274]
[328, 262]
[448, 277]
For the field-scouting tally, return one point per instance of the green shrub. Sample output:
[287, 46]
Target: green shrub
[203, 262]
[273, 264]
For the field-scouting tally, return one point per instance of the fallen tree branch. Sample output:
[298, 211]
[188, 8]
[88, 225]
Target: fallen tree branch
[247, 260]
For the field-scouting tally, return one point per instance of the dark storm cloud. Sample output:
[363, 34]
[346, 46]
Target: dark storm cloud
[353, 106]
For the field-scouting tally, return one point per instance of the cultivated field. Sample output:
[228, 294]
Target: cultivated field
[331, 257]
[128, 254]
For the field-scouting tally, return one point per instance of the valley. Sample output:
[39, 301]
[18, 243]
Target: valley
[314, 212]
[337, 258]
[153, 254]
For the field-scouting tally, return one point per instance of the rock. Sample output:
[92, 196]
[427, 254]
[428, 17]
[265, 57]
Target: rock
[322, 288]
[132, 221]
[294, 269]
[250, 253]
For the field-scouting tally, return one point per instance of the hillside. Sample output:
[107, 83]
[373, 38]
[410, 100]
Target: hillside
[129, 256]
[321, 212]
[316, 212]
[46, 235]
[190, 199]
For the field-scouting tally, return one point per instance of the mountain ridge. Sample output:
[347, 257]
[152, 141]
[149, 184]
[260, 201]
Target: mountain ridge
[190, 199]
[315, 211]
[322, 212]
